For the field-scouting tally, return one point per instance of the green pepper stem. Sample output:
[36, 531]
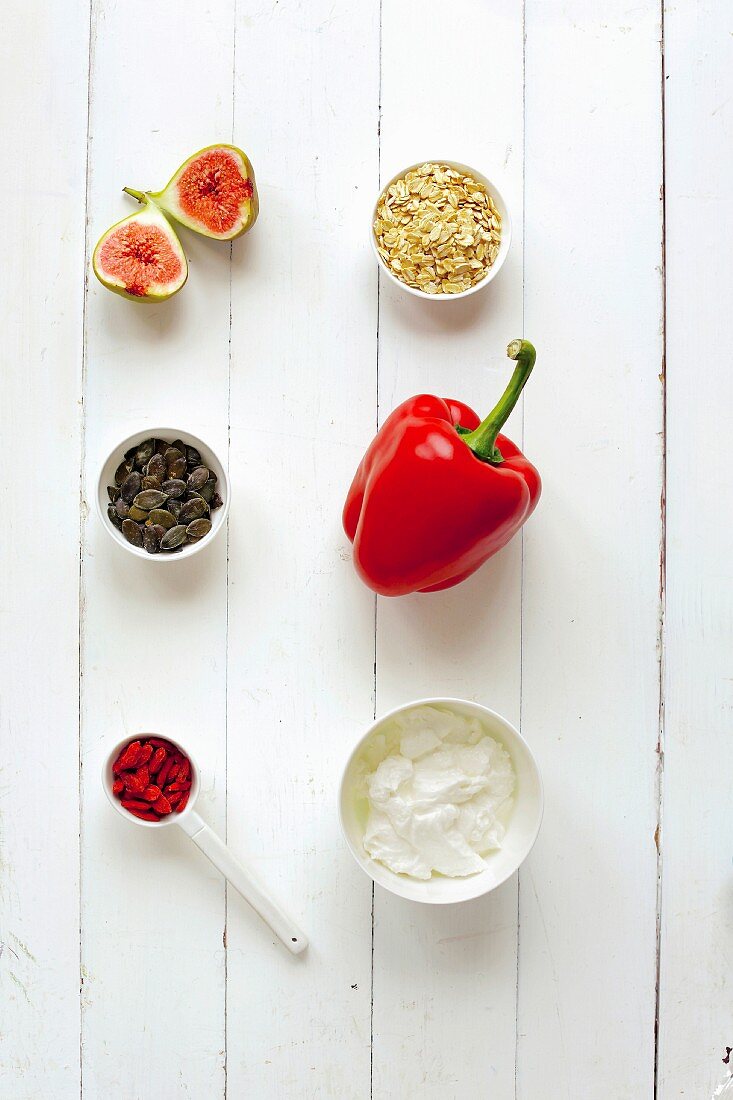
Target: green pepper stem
[139, 195]
[482, 440]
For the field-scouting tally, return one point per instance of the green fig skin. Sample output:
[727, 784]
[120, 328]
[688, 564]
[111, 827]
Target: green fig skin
[169, 199]
[155, 292]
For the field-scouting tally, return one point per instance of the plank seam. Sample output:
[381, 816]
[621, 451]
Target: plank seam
[661, 626]
[82, 526]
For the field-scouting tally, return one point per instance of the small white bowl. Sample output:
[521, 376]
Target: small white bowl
[521, 830]
[108, 778]
[107, 477]
[506, 231]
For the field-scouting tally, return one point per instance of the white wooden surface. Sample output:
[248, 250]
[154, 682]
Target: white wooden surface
[603, 969]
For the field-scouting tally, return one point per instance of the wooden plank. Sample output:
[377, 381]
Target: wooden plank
[593, 420]
[696, 997]
[154, 652]
[301, 627]
[43, 93]
[445, 978]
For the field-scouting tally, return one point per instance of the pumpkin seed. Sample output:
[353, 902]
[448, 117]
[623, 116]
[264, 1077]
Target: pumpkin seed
[144, 452]
[113, 492]
[198, 528]
[150, 498]
[156, 468]
[161, 517]
[151, 540]
[174, 538]
[151, 483]
[174, 507]
[130, 486]
[198, 478]
[138, 514]
[132, 532]
[174, 487]
[122, 471]
[207, 490]
[113, 517]
[216, 501]
[193, 458]
[192, 509]
[122, 509]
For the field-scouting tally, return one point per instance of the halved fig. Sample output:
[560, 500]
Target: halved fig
[141, 257]
[213, 193]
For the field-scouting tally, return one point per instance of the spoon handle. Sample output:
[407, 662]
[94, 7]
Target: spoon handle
[244, 881]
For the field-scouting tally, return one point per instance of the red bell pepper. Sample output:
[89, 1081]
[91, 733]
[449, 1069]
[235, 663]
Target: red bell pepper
[438, 492]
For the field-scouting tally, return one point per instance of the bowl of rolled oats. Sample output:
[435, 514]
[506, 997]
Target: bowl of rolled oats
[441, 230]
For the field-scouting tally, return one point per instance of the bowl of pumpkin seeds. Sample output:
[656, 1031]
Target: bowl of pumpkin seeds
[162, 494]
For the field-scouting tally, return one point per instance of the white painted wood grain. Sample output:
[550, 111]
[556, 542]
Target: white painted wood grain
[696, 1002]
[593, 418]
[301, 627]
[445, 978]
[43, 59]
[154, 655]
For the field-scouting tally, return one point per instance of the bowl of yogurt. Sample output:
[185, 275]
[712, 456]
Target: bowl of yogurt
[441, 800]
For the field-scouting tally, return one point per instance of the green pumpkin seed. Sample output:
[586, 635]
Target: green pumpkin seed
[174, 507]
[122, 471]
[138, 514]
[177, 468]
[144, 452]
[192, 509]
[161, 517]
[198, 529]
[198, 478]
[216, 501]
[207, 490]
[149, 499]
[193, 458]
[113, 517]
[132, 532]
[113, 492]
[174, 487]
[151, 483]
[122, 508]
[131, 486]
[174, 538]
[156, 468]
[151, 540]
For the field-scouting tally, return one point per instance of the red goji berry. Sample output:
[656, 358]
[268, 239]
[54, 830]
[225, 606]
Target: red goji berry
[151, 794]
[162, 777]
[175, 797]
[178, 786]
[182, 804]
[145, 753]
[162, 805]
[184, 770]
[130, 757]
[135, 804]
[134, 784]
[146, 815]
[118, 786]
[161, 743]
[157, 759]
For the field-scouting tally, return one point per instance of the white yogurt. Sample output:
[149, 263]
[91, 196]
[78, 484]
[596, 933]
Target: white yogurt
[439, 795]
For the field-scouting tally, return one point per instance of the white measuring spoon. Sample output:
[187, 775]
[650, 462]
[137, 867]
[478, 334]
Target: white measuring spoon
[241, 877]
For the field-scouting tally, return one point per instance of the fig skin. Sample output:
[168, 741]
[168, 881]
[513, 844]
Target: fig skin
[167, 199]
[149, 215]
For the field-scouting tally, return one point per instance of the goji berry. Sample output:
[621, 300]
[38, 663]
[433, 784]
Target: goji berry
[135, 804]
[162, 776]
[146, 815]
[118, 786]
[178, 786]
[175, 797]
[145, 753]
[130, 757]
[157, 759]
[161, 743]
[151, 794]
[182, 804]
[162, 805]
[134, 783]
[184, 769]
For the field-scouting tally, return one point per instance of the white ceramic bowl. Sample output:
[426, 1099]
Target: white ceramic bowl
[506, 231]
[108, 779]
[522, 826]
[209, 458]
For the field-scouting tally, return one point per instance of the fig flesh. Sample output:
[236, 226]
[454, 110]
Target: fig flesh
[141, 257]
[213, 192]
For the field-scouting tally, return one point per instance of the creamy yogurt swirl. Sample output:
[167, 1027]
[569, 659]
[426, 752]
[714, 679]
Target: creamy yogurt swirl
[439, 795]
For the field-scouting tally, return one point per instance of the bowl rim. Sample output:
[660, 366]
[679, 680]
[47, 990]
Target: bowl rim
[169, 819]
[367, 864]
[101, 489]
[504, 244]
